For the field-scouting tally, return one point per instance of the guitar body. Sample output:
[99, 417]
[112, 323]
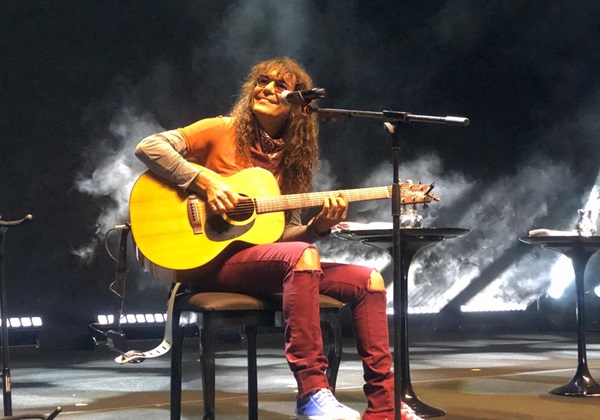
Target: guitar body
[177, 232]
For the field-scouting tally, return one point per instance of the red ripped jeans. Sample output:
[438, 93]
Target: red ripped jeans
[264, 269]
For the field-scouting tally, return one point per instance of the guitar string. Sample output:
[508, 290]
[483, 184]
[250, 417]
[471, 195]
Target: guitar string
[291, 200]
[301, 200]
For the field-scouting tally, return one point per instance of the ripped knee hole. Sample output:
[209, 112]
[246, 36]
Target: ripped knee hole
[376, 281]
[309, 260]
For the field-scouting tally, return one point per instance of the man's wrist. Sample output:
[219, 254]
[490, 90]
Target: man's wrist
[200, 179]
[320, 234]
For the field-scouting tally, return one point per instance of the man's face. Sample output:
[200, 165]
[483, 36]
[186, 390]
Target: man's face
[266, 102]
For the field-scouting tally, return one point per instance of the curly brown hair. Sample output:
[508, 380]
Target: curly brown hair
[301, 149]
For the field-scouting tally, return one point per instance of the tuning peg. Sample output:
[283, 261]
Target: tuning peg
[431, 187]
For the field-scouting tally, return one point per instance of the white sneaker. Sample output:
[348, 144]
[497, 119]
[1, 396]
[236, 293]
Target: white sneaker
[322, 405]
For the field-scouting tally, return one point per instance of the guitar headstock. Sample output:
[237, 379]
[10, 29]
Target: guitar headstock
[411, 193]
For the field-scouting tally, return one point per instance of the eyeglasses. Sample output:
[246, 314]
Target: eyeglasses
[279, 86]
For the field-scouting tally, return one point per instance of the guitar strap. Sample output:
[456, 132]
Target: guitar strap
[136, 356]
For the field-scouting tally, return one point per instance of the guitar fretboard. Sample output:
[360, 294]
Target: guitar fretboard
[298, 201]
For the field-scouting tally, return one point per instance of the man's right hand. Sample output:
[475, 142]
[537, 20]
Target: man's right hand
[219, 195]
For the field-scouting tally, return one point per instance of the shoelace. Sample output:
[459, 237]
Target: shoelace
[325, 397]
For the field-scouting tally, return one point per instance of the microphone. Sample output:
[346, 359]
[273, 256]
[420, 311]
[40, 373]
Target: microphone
[301, 97]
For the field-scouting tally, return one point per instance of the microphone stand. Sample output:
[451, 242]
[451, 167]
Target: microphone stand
[392, 121]
[6, 380]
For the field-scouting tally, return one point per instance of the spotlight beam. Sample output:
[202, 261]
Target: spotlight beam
[487, 276]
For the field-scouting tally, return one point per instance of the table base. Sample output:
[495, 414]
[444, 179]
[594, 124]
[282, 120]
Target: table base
[419, 407]
[582, 385]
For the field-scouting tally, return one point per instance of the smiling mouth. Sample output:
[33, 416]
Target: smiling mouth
[267, 100]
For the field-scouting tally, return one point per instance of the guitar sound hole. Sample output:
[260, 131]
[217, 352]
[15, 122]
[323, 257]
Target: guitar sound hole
[243, 211]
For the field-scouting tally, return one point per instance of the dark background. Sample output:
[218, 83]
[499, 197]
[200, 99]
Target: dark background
[83, 81]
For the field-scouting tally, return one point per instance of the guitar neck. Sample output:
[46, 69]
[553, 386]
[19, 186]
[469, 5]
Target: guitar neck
[315, 199]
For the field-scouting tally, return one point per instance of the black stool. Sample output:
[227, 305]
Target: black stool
[217, 310]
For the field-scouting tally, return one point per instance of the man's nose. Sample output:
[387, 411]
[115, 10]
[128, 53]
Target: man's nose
[270, 87]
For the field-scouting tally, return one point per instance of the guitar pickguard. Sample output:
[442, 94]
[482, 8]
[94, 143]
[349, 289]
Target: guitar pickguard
[217, 228]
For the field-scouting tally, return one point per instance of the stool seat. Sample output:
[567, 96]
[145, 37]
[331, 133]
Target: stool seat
[219, 301]
[224, 301]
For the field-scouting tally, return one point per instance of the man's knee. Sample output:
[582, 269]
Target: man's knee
[376, 281]
[309, 260]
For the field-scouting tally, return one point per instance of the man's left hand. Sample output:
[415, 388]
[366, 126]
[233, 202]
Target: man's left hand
[334, 211]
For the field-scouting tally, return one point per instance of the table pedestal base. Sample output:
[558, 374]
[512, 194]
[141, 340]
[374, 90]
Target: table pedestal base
[423, 410]
[582, 385]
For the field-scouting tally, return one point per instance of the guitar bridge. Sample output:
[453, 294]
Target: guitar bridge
[193, 212]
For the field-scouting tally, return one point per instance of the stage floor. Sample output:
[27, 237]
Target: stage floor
[492, 376]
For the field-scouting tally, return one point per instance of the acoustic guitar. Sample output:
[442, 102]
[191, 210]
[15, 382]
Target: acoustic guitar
[177, 231]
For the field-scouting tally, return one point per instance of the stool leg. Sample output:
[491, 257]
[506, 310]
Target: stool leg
[334, 348]
[251, 333]
[176, 361]
[207, 360]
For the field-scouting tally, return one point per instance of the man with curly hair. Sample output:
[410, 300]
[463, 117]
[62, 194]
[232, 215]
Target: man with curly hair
[263, 131]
